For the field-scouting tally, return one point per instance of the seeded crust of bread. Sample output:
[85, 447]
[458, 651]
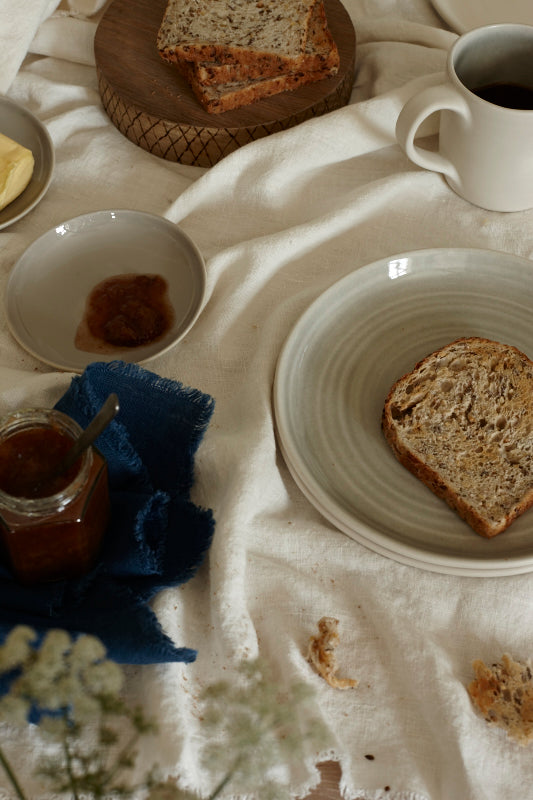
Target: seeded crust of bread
[227, 97]
[260, 32]
[462, 422]
[321, 54]
[503, 693]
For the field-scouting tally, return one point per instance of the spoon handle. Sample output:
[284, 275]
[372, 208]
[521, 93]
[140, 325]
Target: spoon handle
[92, 431]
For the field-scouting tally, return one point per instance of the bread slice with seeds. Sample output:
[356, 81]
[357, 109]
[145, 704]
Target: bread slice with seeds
[230, 96]
[462, 422]
[260, 32]
[321, 55]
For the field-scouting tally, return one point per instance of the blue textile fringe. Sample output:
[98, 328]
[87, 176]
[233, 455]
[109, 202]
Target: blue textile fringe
[157, 538]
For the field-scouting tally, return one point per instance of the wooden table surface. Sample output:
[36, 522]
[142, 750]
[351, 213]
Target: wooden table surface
[328, 789]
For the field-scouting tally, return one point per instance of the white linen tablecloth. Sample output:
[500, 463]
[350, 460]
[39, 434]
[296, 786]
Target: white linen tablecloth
[278, 222]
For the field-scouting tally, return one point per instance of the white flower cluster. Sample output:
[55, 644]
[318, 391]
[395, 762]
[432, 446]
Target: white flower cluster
[73, 692]
[254, 732]
[62, 673]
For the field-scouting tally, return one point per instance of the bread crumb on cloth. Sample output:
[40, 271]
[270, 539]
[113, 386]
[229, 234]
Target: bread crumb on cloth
[321, 654]
[503, 693]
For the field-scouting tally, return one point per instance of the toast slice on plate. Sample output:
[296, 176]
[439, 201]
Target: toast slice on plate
[462, 421]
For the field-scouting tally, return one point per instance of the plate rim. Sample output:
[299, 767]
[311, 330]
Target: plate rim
[95, 356]
[448, 11]
[405, 554]
[46, 141]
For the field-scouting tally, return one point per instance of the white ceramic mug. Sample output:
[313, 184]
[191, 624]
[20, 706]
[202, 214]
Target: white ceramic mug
[485, 148]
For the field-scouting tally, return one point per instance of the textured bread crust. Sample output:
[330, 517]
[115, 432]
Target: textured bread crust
[236, 31]
[462, 422]
[321, 55]
[227, 97]
[503, 693]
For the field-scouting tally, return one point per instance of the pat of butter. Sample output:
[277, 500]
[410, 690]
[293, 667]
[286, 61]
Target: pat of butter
[16, 169]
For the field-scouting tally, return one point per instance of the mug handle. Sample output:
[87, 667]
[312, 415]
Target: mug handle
[415, 111]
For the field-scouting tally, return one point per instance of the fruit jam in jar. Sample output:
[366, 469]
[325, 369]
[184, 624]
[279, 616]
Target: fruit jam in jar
[50, 527]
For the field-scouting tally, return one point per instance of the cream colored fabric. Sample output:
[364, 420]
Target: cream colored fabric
[278, 222]
[62, 28]
[19, 21]
[68, 33]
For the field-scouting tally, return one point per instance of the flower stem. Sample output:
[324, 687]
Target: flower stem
[118, 765]
[221, 785]
[224, 782]
[11, 775]
[70, 774]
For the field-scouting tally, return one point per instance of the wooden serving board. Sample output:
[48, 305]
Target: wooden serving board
[153, 105]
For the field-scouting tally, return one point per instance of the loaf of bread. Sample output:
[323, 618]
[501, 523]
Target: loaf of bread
[321, 55]
[503, 693]
[236, 31]
[462, 422]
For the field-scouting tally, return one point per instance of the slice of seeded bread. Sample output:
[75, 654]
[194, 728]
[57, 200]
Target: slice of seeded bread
[236, 31]
[226, 97]
[462, 422]
[503, 693]
[321, 54]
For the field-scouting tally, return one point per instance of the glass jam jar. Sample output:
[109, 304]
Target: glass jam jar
[49, 528]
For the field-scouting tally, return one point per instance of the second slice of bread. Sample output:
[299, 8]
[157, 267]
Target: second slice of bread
[462, 422]
[229, 96]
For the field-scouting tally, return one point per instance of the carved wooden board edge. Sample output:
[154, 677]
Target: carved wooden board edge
[197, 145]
[174, 137]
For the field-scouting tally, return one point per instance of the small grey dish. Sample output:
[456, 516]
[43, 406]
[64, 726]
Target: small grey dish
[47, 290]
[23, 127]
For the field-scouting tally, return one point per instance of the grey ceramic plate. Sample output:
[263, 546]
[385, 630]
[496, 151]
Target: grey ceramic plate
[49, 285]
[464, 15]
[334, 373]
[23, 127]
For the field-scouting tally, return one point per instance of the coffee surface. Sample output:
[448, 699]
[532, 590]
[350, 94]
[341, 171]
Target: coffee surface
[508, 95]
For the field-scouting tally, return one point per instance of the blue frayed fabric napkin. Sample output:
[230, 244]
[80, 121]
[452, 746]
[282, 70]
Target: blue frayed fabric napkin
[157, 538]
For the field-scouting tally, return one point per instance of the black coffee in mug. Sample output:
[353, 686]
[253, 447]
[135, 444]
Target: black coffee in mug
[508, 95]
[484, 146]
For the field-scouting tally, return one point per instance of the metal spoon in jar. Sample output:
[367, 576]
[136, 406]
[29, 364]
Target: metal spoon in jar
[93, 430]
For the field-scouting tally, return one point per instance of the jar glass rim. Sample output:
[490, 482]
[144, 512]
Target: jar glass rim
[46, 418]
